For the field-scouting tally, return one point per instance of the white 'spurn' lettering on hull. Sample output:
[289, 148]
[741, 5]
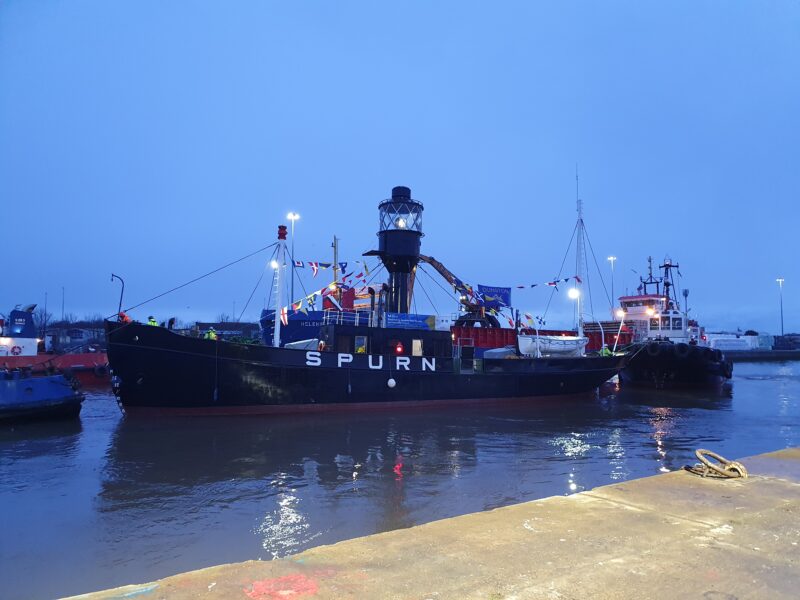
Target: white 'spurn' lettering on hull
[374, 362]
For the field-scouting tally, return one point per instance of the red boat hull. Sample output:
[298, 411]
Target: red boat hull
[41, 363]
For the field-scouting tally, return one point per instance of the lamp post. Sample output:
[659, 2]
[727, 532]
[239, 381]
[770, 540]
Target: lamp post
[292, 216]
[780, 287]
[611, 259]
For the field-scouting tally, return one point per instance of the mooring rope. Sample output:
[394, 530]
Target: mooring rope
[722, 468]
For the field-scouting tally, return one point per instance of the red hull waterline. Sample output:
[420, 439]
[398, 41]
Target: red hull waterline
[347, 407]
[86, 361]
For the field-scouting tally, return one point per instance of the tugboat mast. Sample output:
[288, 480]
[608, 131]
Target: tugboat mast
[656, 281]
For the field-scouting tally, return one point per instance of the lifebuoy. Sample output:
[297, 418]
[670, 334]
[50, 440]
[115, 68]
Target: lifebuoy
[654, 348]
[321, 346]
[16, 350]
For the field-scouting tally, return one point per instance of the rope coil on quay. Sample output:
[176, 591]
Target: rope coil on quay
[721, 469]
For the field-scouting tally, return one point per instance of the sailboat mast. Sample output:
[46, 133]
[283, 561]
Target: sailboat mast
[281, 259]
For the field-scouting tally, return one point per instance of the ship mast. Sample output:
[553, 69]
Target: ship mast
[579, 257]
[281, 260]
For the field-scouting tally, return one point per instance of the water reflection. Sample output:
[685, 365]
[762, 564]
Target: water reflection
[144, 498]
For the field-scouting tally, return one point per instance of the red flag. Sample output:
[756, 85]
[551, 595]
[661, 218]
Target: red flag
[285, 315]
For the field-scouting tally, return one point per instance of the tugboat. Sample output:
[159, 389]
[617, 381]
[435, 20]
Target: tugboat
[673, 351]
[24, 397]
[20, 348]
[359, 359]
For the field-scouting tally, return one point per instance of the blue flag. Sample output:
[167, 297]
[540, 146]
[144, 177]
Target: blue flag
[495, 297]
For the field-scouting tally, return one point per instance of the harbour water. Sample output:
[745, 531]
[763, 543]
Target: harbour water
[110, 500]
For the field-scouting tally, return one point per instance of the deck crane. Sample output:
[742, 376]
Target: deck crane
[473, 312]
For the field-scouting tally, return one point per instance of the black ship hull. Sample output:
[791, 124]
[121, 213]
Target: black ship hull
[157, 370]
[667, 365]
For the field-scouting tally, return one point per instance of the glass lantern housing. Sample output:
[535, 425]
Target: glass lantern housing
[400, 215]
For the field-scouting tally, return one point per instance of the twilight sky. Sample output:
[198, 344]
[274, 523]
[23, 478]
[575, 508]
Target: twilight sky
[161, 140]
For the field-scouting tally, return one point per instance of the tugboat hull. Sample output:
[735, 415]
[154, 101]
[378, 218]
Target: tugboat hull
[668, 365]
[155, 369]
[27, 398]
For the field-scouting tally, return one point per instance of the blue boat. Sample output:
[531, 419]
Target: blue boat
[24, 397]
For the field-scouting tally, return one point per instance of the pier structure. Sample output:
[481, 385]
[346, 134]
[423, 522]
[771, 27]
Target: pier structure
[675, 535]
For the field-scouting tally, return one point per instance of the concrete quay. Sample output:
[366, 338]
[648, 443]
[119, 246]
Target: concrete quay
[674, 535]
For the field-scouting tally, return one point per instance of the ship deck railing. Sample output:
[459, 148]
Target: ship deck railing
[349, 317]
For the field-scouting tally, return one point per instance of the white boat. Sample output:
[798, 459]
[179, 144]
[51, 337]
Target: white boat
[552, 345]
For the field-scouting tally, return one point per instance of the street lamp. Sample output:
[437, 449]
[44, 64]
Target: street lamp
[611, 259]
[292, 216]
[780, 286]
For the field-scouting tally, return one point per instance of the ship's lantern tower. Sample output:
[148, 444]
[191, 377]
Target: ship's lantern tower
[399, 240]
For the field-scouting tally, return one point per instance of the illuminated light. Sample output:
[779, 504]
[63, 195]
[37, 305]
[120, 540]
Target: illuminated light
[332, 286]
[293, 216]
[620, 313]
[400, 222]
[399, 348]
[273, 264]
[453, 336]
[573, 293]
[572, 486]
[650, 311]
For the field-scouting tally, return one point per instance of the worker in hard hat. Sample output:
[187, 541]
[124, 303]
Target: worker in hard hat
[210, 334]
[151, 320]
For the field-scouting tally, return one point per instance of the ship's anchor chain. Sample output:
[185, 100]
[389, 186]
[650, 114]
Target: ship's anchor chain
[722, 468]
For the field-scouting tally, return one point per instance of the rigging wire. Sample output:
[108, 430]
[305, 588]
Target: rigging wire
[560, 270]
[300, 281]
[241, 314]
[588, 275]
[449, 292]
[429, 298]
[238, 260]
[597, 266]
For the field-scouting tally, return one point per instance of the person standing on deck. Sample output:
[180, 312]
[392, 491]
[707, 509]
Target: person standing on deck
[151, 320]
[210, 334]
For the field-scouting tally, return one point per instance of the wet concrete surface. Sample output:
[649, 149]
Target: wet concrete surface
[674, 535]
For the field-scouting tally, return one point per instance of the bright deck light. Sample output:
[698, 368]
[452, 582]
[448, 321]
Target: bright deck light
[620, 313]
[573, 293]
[273, 264]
